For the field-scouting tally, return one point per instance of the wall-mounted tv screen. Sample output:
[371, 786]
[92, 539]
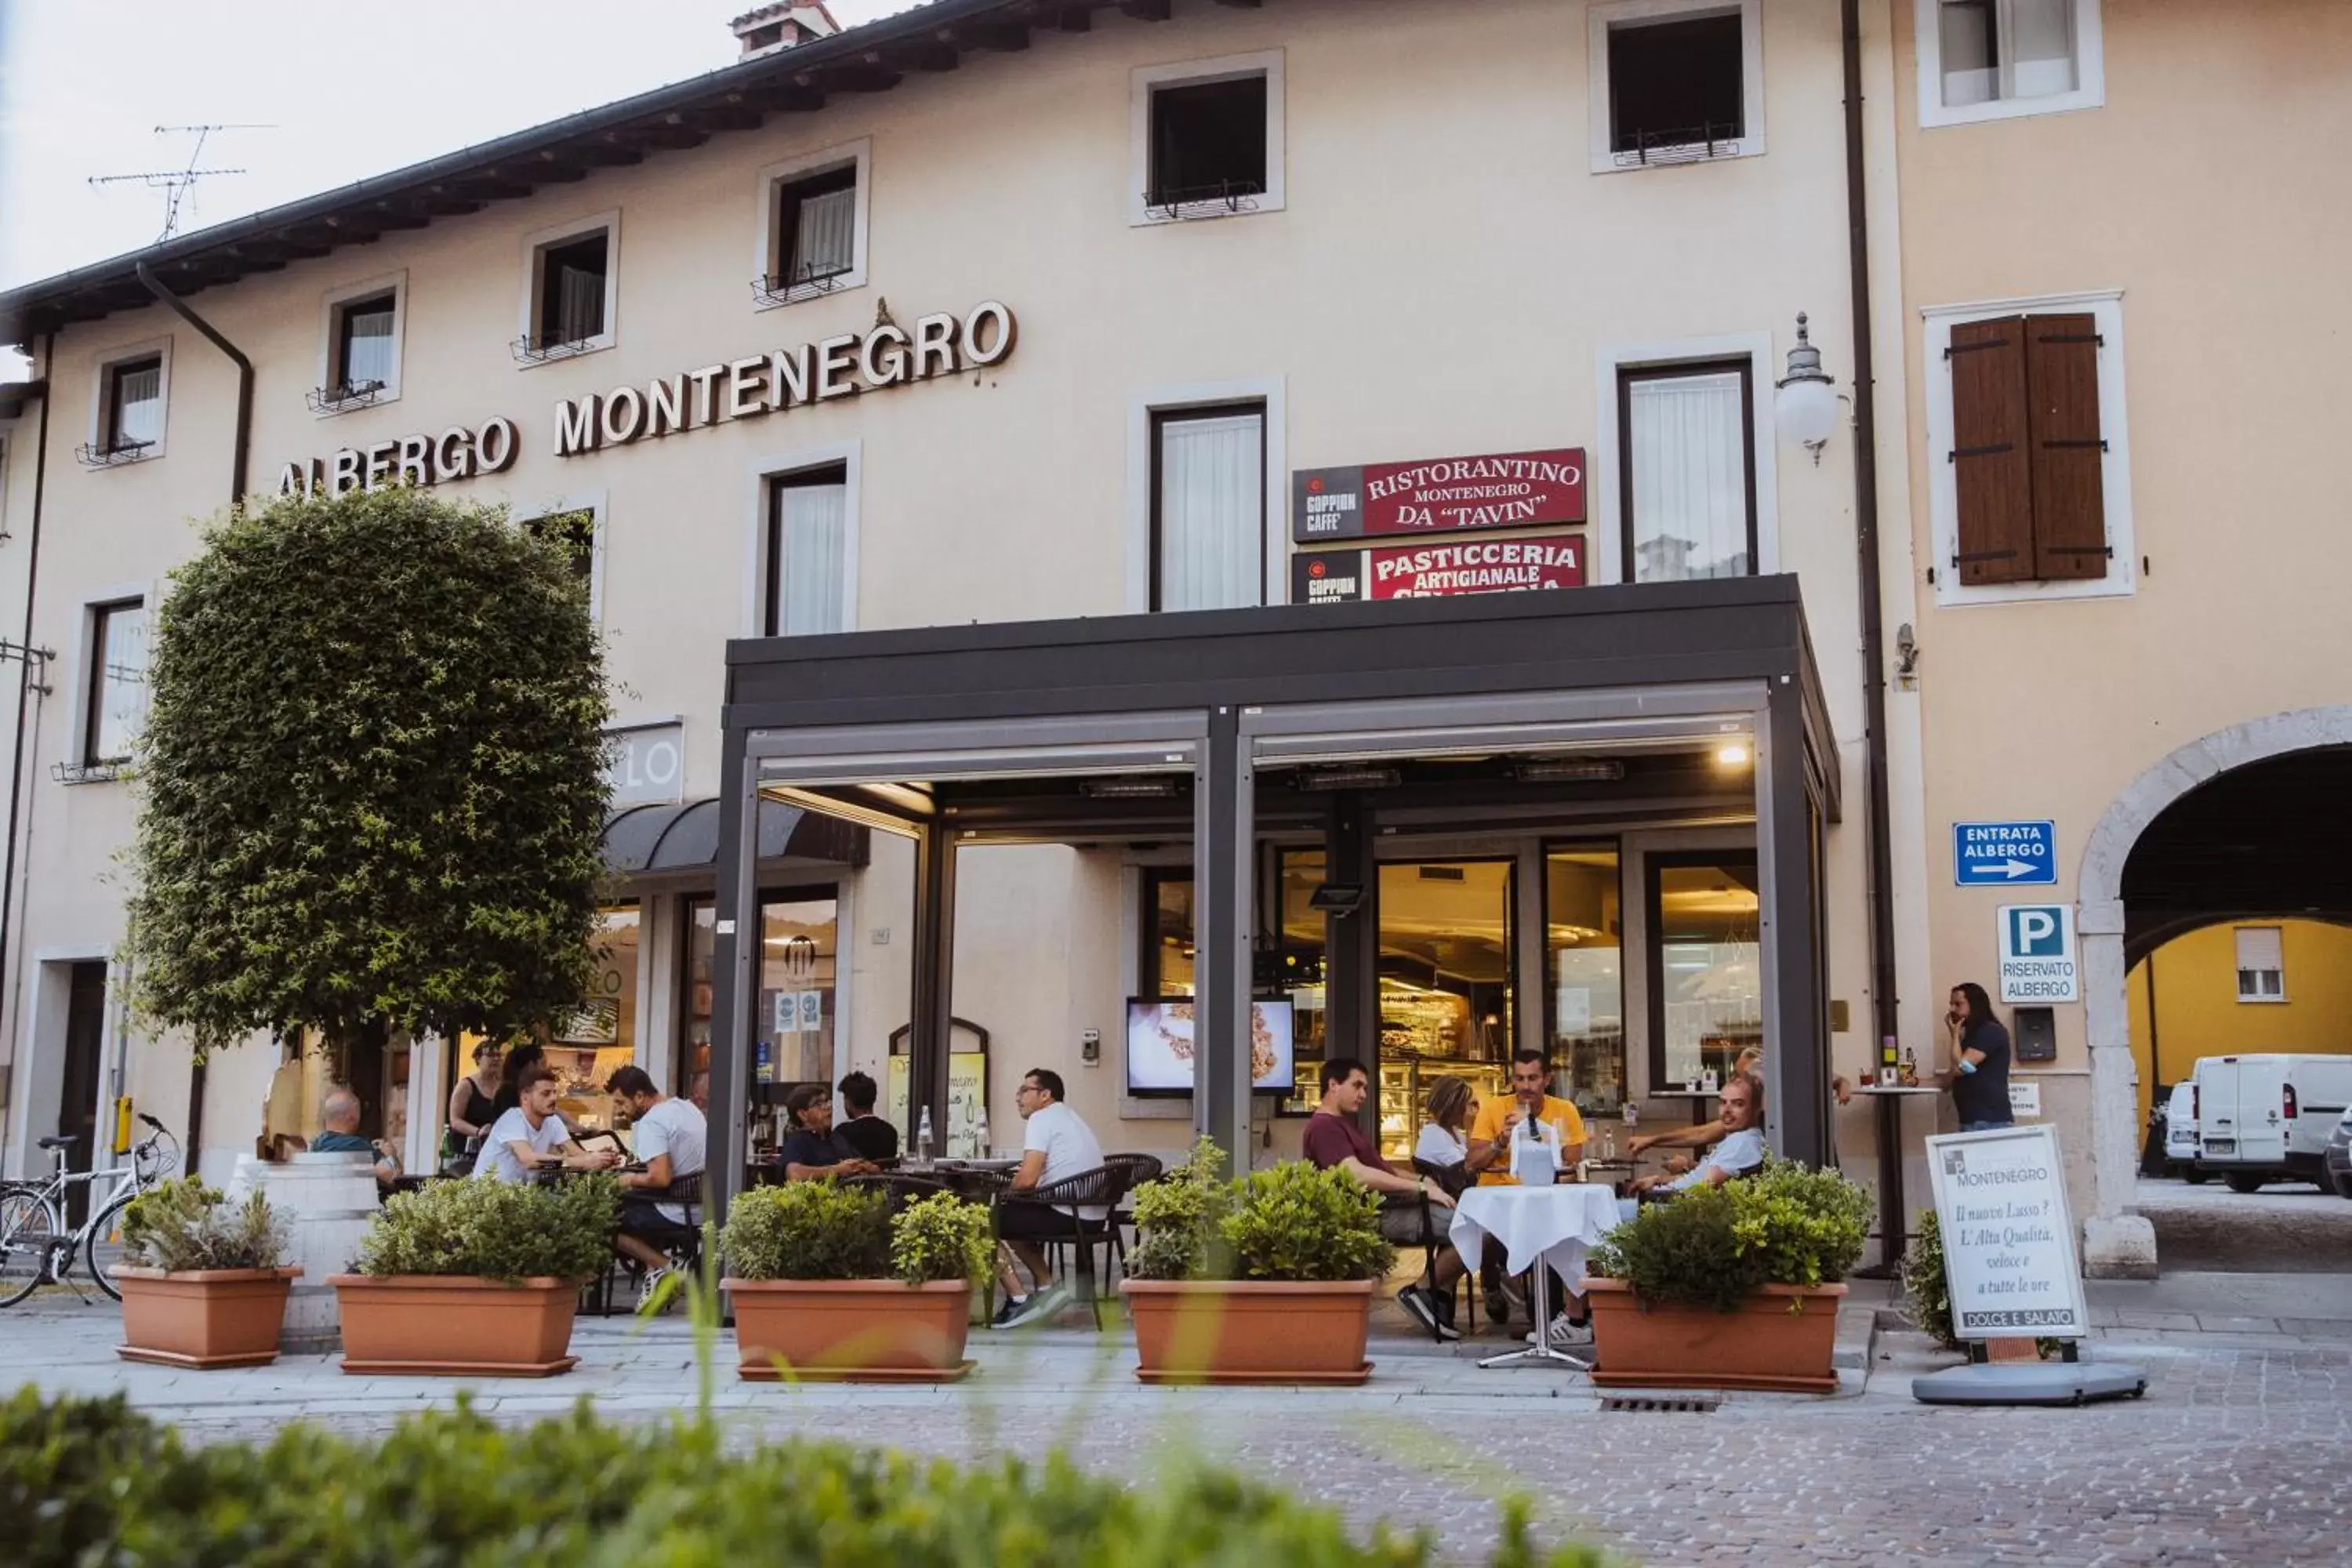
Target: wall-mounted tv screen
[1159, 1046]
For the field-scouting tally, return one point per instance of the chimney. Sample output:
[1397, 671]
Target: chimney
[771, 28]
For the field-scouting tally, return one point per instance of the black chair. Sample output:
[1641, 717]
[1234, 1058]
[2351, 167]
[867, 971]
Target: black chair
[1453, 1180]
[1102, 1188]
[681, 1243]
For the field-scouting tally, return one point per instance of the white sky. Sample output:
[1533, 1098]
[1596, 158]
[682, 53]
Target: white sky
[351, 90]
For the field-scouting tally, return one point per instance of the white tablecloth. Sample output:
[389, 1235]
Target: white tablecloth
[1554, 1225]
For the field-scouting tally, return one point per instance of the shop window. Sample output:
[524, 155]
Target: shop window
[1208, 139]
[2261, 964]
[807, 553]
[1302, 952]
[1992, 60]
[1675, 81]
[816, 226]
[363, 357]
[1208, 507]
[129, 414]
[1447, 1008]
[596, 1039]
[1167, 953]
[1584, 969]
[794, 1016]
[115, 699]
[1707, 997]
[1687, 470]
[570, 306]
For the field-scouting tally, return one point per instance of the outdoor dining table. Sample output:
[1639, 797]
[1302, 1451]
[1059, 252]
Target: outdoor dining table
[1543, 1229]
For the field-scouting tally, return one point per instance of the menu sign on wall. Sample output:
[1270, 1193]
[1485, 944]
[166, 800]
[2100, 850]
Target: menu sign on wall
[1506, 489]
[1435, 571]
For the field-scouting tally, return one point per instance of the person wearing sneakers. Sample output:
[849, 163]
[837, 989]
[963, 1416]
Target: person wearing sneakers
[667, 1136]
[1557, 1122]
[1334, 1139]
[1055, 1145]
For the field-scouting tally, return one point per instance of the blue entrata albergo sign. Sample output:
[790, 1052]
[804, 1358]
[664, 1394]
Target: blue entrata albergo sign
[2004, 854]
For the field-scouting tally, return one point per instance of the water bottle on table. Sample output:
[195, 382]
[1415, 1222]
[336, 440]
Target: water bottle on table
[923, 1139]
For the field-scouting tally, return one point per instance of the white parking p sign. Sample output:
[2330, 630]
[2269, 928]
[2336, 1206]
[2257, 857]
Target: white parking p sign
[2037, 954]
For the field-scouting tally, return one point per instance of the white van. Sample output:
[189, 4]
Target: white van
[2180, 1146]
[2266, 1118]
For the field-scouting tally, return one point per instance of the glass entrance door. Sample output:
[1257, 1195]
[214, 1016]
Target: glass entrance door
[1445, 987]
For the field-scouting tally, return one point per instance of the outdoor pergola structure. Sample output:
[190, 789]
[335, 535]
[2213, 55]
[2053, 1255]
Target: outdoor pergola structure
[1222, 728]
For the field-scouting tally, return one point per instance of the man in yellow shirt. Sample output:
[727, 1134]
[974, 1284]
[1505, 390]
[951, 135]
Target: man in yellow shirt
[1559, 1125]
[1499, 1121]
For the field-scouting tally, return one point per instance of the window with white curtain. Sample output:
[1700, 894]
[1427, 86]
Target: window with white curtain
[363, 344]
[2261, 964]
[134, 403]
[817, 219]
[1208, 517]
[1687, 468]
[117, 694]
[572, 279]
[808, 538]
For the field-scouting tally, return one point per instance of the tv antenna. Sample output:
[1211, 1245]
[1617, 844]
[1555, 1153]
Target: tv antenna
[176, 183]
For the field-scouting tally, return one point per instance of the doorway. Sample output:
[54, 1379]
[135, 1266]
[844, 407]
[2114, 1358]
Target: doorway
[1445, 985]
[77, 1093]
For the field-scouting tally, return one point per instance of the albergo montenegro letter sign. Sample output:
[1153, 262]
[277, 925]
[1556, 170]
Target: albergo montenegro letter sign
[885, 354]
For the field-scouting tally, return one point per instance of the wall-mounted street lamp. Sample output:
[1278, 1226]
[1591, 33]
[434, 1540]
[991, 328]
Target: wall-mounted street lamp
[1805, 405]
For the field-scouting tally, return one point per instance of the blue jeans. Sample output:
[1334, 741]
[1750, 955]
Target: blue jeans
[1985, 1126]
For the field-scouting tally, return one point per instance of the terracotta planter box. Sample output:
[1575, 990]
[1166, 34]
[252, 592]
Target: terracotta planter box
[426, 1325]
[1781, 1338]
[1251, 1331]
[203, 1317]
[851, 1331]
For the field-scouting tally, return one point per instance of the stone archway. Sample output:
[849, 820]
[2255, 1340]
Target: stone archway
[2118, 1242]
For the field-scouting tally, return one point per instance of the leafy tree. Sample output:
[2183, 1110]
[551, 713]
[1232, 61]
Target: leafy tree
[373, 775]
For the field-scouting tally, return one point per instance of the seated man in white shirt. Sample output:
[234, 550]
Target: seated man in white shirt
[666, 1136]
[1055, 1145]
[530, 1132]
[1738, 1137]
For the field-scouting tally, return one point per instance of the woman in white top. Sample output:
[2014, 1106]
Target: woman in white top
[1443, 1142]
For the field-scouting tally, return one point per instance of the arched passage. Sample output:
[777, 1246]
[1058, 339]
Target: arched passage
[2247, 821]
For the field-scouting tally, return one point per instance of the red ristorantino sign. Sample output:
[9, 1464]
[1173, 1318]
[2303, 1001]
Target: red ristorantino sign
[1503, 490]
[1436, 570]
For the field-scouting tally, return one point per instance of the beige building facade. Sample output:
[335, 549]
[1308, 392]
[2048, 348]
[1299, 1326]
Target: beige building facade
[844, 340]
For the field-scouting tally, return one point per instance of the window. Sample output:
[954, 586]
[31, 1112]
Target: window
[115, 702]
[1992, 60]
[794, 1015]
[568, 304]
[1584, 964]
[575, 531]
[1168, 952]
[2261, 964]
[1706, 998]
[1675, 81]
[1207, 501]
[813, 226]
[2031, 497]
[363, 353]
[598, 1037]
[807, 552]
[1687, 471]
[1208, 139]
[130, 410]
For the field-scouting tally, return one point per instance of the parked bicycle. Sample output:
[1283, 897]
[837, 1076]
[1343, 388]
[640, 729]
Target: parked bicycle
[35, 1246]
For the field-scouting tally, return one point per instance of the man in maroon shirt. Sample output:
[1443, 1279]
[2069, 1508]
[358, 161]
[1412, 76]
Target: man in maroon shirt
[1335, 1139]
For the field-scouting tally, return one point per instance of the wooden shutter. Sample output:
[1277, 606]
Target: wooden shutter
[1990, 452]
[2061, 380]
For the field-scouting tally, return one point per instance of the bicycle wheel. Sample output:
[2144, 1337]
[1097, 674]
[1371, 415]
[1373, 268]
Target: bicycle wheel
[103, 1231]
[29, 1229]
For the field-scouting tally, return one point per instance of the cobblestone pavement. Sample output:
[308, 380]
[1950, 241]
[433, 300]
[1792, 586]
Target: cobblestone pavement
[2290, 1226]
[2235, 1455]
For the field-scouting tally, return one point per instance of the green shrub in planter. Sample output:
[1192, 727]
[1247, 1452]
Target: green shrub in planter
[487, 1229]
[1926, 1296]
[1293, 1221]
[183, 1226]
[1712, 1247]
[100, 1484]
[808, 1230]
[941, 1237]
